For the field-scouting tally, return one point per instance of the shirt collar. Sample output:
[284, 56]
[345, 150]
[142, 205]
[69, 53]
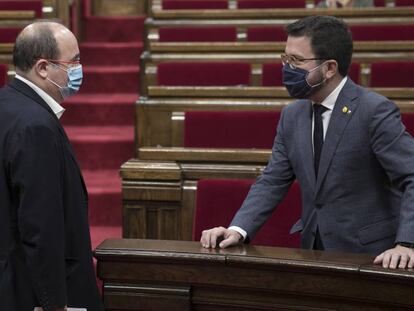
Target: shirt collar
[54, 105]
[330, 100]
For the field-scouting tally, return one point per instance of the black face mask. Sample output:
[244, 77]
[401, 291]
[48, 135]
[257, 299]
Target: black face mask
[296, 83]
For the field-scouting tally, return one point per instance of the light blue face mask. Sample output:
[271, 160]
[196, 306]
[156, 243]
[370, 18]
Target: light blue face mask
[75, 76]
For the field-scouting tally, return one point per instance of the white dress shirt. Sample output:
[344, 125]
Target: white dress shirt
[328, 102]
[54, 105]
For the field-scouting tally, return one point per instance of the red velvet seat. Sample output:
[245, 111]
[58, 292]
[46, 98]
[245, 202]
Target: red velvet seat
[408, 120]
[392, 74]
[3, 74]
[23, 5]
[230, 129]
[267, 34]
[218, 201]
[382, 32]
[8, 35]
[379, 3]
[404, 2]
[269, 4]
[203, 73]
[194, 4]
[272, 74]
[198, 34]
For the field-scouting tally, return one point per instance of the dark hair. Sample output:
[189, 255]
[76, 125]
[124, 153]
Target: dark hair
[330, 38]
[28, 48]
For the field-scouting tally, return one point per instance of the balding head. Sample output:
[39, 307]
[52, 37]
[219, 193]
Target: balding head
[38, 40]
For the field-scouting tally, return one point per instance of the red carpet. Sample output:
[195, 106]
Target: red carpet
[100, 119]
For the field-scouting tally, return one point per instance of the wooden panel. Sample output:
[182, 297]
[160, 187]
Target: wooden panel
[151, 220]
[187, 209]
[252, 277]
[146, 297]
[204, 154]
[119, 7]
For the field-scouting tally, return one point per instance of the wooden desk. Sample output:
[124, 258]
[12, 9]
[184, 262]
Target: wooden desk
[178, 275]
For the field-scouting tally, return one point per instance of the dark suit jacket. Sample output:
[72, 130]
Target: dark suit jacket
[363, 198]
[45, 248]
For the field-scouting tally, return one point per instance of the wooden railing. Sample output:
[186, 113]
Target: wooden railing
[178, 275]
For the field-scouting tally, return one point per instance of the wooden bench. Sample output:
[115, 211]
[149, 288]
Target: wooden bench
[159, 118]
[289, 14]
[158, 196]
[237, 39]
[256, 60]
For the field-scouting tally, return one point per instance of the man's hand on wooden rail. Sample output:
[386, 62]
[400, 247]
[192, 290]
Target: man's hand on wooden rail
[221, 236]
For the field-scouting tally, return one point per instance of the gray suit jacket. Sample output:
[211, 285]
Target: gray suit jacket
[363, 198]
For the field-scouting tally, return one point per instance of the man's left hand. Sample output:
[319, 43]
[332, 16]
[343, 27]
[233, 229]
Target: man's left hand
[398, 257]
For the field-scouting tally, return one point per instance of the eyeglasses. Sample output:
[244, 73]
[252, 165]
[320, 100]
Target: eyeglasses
[294, 61]
[66, 63]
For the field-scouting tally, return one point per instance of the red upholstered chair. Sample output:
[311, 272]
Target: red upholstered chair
[23, 5]
[404, 2]
[8, 35]
[408, 120]
[3, 74]
[194, 4]
[272, 74]
[382, 32]
[392, 74]
[203, 73]
[354, 72]
[198, 34]
[230, 129]
[218, 200]
[267, 34]
[379, 3]
[268, 4]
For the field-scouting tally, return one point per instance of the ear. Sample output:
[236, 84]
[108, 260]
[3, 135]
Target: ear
[332, 69]
[40, 68]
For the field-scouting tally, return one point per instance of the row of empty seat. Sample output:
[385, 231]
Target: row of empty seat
[258, 4]
[191, 73]
[199, 151]
[276, 33]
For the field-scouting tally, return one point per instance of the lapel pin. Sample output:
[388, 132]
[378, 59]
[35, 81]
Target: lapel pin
[345, 109]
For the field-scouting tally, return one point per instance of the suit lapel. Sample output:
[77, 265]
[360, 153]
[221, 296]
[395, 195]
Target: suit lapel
[22, 87]
[305, 141]
[344, 108]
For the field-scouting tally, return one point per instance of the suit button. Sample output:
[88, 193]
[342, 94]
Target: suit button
[319, 206]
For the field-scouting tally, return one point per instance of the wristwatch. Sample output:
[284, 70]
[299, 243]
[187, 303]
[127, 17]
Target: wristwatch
[406, 244]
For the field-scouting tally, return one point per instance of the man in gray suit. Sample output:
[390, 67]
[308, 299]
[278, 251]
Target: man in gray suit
[347, 148]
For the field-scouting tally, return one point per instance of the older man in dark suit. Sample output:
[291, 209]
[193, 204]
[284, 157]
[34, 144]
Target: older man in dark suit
[348, 150]
[45, 248]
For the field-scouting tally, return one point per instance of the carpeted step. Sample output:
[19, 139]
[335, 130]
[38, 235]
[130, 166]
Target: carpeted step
[111, 53]
[101, 233]
[99, 109]
[110, 79]
[105, 201]
[102, 147]
[114, 29]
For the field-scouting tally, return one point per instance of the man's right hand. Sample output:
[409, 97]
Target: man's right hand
[230, 237]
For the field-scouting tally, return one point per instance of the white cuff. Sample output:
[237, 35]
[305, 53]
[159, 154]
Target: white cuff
[239, 230]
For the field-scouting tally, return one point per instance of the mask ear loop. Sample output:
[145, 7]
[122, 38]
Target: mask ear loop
[317, 84]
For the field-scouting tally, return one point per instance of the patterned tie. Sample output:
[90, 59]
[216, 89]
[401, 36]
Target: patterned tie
[318, 110]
